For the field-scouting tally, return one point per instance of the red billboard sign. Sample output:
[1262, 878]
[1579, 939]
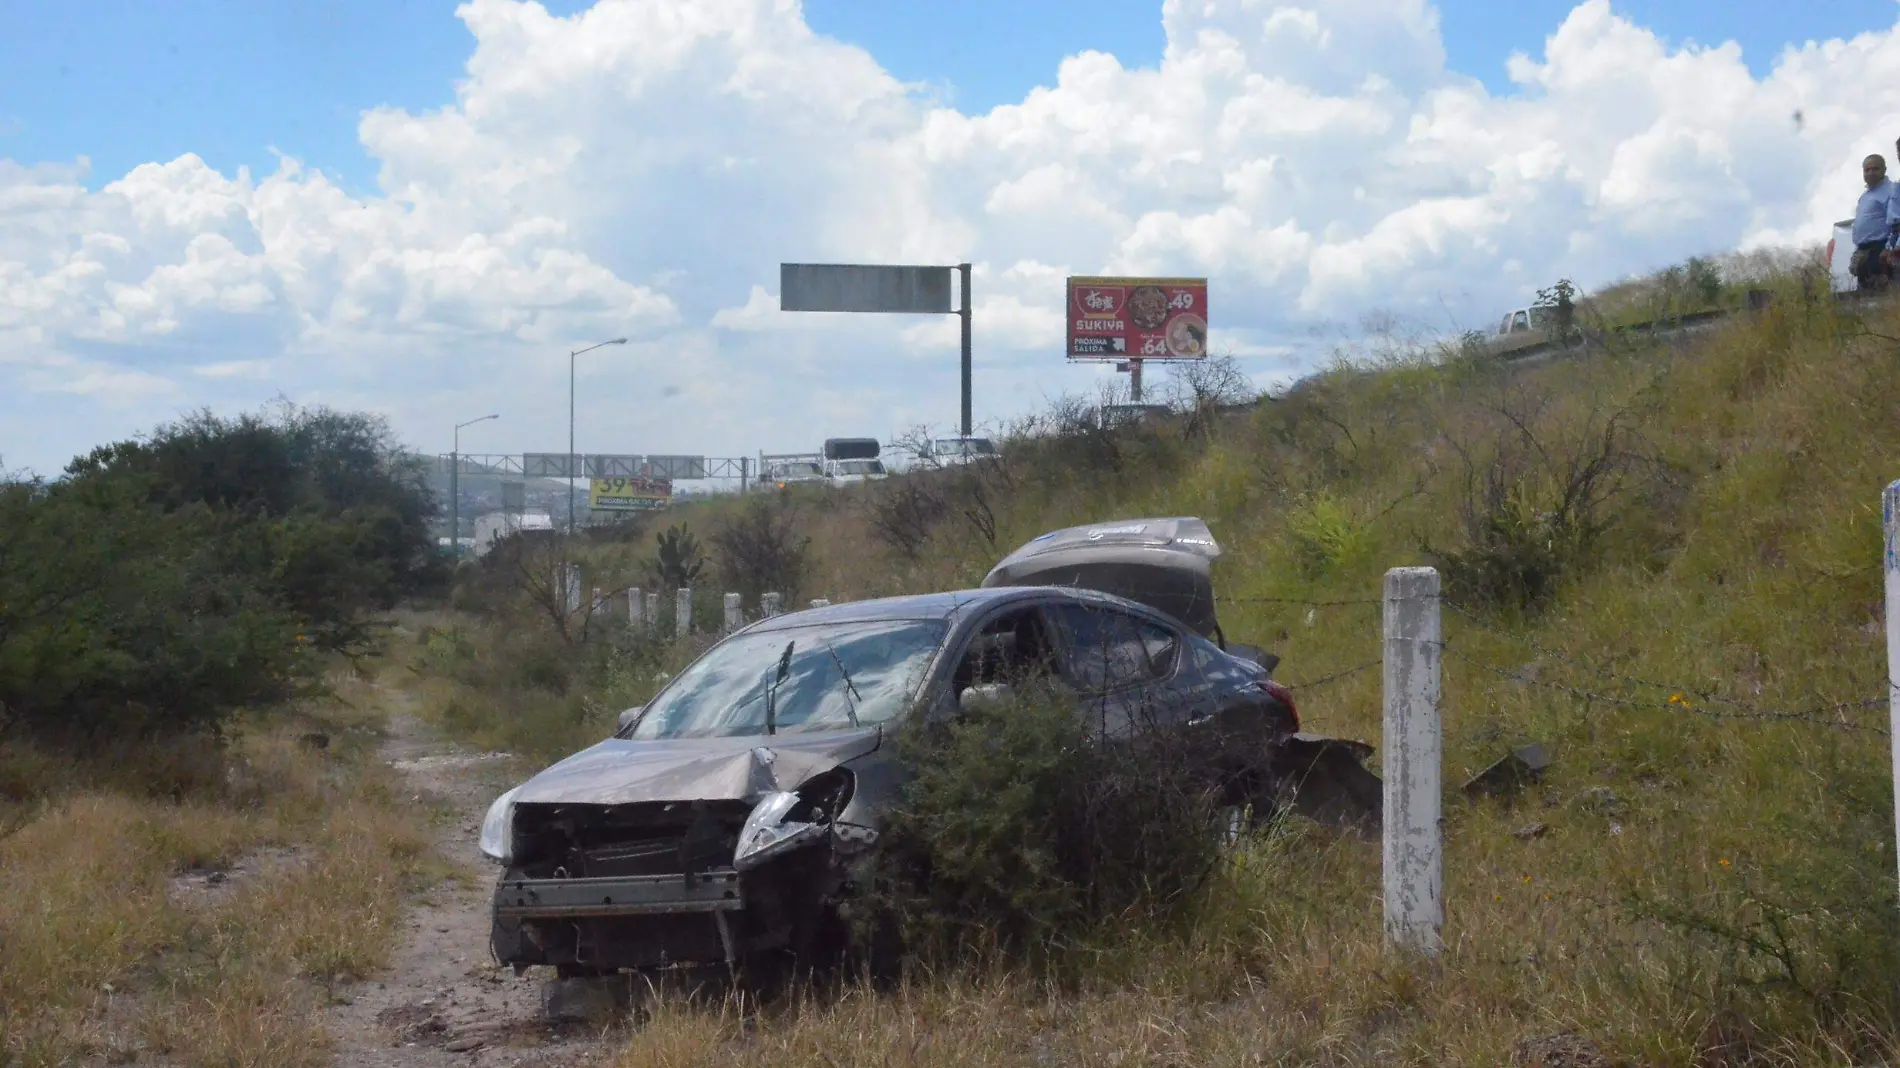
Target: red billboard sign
[1137, 318]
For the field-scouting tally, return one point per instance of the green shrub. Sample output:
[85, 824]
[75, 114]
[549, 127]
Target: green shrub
[1325, 537]
[760, 549]
[1019, 831]
[677, 558]
[167, 582]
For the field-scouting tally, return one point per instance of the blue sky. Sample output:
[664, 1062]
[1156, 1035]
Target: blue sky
[123, 83]
[642, 170]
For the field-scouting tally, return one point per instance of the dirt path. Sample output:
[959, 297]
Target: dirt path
[443, 1001]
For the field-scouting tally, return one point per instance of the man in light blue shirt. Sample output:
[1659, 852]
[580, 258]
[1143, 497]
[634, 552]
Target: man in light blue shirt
[1875, 220]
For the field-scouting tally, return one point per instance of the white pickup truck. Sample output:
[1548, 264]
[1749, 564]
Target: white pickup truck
[787, 469]
[1520, 328]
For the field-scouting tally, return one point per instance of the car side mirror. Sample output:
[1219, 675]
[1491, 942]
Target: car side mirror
[627, 717]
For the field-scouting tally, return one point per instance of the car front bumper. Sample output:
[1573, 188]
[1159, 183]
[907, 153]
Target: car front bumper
[628, 895]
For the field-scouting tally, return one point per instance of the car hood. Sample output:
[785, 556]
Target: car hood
[620, 772]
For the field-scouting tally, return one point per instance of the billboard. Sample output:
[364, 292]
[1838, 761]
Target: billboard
[844, 287]
[629, 494]
[1137, 318]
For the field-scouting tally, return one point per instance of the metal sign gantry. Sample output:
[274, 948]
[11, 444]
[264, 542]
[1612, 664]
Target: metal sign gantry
[595, 465]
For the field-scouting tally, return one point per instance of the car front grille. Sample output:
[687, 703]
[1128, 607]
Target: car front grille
[594, 841]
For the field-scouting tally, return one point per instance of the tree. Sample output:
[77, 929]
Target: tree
[1560, 300]
[760, 550]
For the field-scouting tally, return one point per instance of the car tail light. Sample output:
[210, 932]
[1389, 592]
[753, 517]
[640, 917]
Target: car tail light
[1284, 696]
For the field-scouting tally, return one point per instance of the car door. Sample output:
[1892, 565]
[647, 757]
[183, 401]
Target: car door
[1123, 664]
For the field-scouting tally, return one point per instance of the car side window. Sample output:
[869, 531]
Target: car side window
[1106, 649]
[1161, 645]
[1012, 648]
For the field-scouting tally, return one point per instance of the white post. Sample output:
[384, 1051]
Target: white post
[1891, 513]
[820, 602]
[573, 603]
[653, 610]
[636, 606]
[598, 602]
[1414, 741]
[768, 604]
[682, 612]
[735, 612]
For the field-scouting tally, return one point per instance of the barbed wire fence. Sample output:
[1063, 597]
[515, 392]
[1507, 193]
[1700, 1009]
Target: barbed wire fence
[1670, 696]
[1308, 685]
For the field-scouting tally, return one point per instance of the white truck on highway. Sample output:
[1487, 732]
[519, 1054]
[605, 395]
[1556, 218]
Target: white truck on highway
[787, 469]
[849, 461]
[949, 452]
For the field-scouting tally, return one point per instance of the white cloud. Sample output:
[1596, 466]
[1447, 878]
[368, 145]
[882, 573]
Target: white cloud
[642, 167]
[259, 369]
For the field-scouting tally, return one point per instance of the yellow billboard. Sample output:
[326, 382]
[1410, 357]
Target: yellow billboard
[629, 494]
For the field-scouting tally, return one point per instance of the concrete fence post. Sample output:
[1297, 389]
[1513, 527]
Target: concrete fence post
[598, 603]
[573, 601]
[768, 605]
[1413, 750]
[636, 607]
[653, 611]
[682, 612]
[735, 612]
[1890, 563]
[820, 602]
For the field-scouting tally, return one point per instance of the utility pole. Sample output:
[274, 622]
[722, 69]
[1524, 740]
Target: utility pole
[455, 487]
[963, 312]
[571, 473]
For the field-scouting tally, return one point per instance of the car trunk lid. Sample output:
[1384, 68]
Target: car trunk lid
[1164, 563]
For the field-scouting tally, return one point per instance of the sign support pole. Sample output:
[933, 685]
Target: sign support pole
[963, 271]
[1134, 379]
[850, 287]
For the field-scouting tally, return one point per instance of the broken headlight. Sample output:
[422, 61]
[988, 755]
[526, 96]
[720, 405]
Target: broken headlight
[771, 831]
[767, 833]
[498, 827]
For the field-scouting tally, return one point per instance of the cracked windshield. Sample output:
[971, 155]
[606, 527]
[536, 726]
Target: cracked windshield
[835, 677]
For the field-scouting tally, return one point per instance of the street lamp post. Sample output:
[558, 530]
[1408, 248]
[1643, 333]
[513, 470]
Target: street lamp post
[455, 486]
[571, 474]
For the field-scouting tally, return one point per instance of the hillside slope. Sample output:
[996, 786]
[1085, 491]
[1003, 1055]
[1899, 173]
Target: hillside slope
[1663, 560]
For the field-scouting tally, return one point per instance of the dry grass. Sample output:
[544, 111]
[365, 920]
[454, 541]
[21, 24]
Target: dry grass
[109, 951]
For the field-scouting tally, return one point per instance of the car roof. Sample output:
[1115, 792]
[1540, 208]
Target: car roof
[912, 606]
[938, 606]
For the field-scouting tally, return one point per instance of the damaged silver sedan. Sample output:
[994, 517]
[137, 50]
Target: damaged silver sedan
[736, 813]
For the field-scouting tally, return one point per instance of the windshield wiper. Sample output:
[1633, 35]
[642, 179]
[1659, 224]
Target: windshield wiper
[851, 691]
[771, 691]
